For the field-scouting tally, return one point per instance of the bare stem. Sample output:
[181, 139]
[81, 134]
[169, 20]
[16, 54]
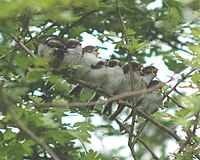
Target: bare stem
[139, 139]
[111, 99]
[182, 79]
[164, 128]
[131, 78]
[140, 131]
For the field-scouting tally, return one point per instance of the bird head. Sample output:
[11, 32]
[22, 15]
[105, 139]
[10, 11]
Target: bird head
[113, 63]
[91, 49]
[154, 83]
[99, 65]
[72, 43]
[136, 67]
[51, 45]
[150, 70]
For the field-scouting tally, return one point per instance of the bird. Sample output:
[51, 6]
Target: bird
[115, 76]
[125, 85]
[97, 78]
[149, 73]
[114, 80]
[151, 101]
[97, 75]
[88, 60]
[54, 47]
[91, 49]
[73, 54]
[137, 74]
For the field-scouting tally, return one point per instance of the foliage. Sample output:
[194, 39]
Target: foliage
[27, 84]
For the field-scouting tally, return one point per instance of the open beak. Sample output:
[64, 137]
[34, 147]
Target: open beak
[96, 51]
[155, 72]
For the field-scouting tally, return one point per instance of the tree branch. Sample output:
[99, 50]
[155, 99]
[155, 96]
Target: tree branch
[20, 43]
[133, 104]
[164, 128]
[182, 79]
[111, 99]
[139, 139]
[76, 22]
[117, 97]
[140, 131]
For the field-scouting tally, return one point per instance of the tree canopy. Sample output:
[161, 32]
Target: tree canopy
[34, 100]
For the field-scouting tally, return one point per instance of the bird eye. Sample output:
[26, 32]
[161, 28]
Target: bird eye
[52, 44]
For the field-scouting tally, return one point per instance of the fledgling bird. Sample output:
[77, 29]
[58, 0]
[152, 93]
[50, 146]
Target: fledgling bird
[73, 55]
[91, 49]
[89, 59]
[54, 47]
[151, 101]
[97, 75]
[113, 82]
[126, 85]
[115, 76]
[149, 73]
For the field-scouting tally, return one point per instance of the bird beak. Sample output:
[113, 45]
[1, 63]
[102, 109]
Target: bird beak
[140, 71]
[96, 51]
[155, 72]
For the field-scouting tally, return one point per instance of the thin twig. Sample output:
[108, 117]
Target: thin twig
[139, 139]
[175, 102]
[42, 31]
[164, 128]
[131, 78]
[76, 22]
[20, 43]
[182, 79]
[140, 131]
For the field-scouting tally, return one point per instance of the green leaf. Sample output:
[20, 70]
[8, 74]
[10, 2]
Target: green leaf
[195, 49]
[36, 99]
[16, 92]
[59, 136]
[196, 79]
[48, 120]
[173, 65]
[27, 146]
[91, 155]
[21, 60]
[196, 31]
[82, 131]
